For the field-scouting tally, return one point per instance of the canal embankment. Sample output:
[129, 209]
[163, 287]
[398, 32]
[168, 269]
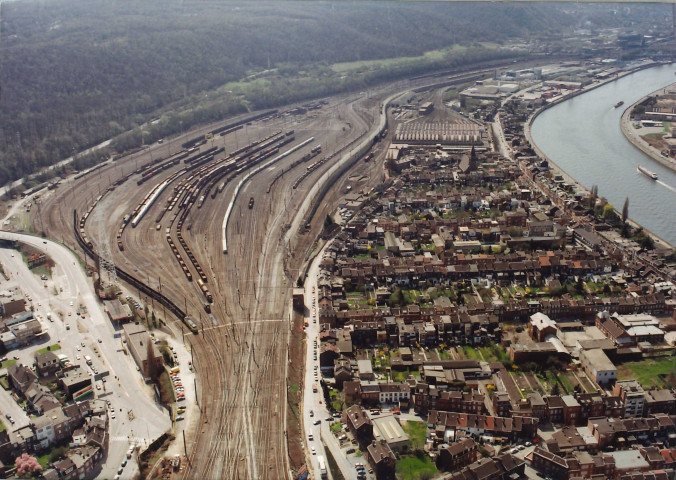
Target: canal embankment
[630, 134]
[577, 160]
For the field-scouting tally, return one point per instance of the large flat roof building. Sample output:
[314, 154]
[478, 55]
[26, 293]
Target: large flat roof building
[598, 366]
[387, 428]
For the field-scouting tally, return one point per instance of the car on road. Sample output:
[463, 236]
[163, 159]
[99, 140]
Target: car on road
[313, 450]
[312, 413]
[179, 418]
[310, 437]
[349, 451]
[317, 422]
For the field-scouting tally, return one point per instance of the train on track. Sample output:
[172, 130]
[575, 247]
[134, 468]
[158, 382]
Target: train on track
[87, 247]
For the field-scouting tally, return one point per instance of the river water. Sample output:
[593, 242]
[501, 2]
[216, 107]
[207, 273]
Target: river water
[583, 137]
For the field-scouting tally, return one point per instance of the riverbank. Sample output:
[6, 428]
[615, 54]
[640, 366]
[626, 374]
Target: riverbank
[630, 134]
[558, 170]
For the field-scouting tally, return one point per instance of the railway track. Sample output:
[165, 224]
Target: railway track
[240, 355]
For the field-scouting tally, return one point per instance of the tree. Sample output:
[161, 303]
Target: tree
[625, 215]
[556, 390]
[647, 243]
[57, 453]
[27, 466]
[593, 195]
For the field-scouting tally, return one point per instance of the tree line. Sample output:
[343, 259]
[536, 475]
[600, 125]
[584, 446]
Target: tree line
[77, 72]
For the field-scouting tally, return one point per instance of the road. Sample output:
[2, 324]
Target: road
[130, 394]
[241, 352]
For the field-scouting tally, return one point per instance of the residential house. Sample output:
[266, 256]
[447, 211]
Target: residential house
[457, 455]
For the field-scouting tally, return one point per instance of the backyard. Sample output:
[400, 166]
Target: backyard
[651, 372]
[417, 432]
[415, 468]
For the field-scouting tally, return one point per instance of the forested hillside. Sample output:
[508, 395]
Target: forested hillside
[76, 72]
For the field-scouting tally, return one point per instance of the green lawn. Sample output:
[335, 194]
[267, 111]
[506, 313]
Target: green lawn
[43, 460]
[651, 372]
[471, 352]
[444, 355]
[50, 348]
[336, 427]
[8, 363]
[412, 468]
[417, 431]
[494, 353]
[565, 383]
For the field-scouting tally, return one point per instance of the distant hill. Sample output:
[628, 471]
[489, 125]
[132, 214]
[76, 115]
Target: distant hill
[76, 72]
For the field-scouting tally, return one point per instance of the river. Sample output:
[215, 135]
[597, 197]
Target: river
[583, 137]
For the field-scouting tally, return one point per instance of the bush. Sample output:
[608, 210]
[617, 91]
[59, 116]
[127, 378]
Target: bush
[57, 454]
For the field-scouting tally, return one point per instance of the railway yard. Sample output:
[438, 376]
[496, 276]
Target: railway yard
[159, 216]
[211, 230]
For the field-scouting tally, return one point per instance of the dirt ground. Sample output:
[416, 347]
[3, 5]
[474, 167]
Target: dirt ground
[297, 355]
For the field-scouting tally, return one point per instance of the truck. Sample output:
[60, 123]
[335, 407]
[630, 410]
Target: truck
[322, 466]
[88, 359]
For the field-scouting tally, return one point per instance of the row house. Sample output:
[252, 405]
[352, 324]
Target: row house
[359, 424]
[394, 393]
[79, 463]
[382, 458]
[609, 431]
[502, 467]
[570, 439]
[462, 402]
[511, 428]
[457, 455]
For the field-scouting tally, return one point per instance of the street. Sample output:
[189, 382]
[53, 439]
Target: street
[138, 419]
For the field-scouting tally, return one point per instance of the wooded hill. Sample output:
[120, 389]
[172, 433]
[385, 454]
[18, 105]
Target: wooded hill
[77, 72]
